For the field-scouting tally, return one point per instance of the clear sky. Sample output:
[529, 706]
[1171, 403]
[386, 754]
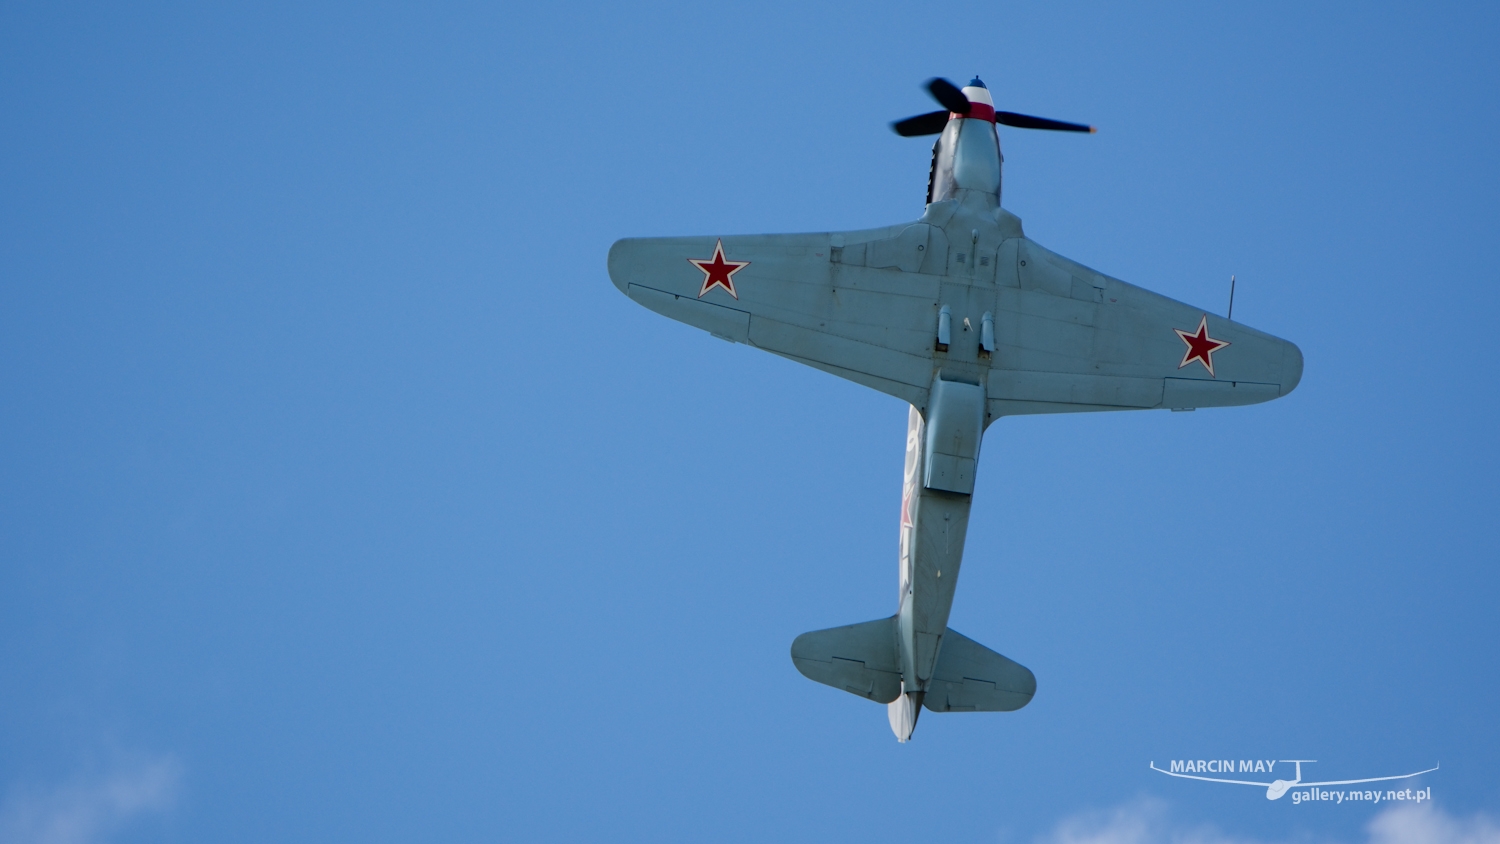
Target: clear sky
[342, 497]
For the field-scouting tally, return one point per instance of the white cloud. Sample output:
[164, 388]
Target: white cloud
[1143, 822]
[1427, 825]
[88, 810]
[1147, 821]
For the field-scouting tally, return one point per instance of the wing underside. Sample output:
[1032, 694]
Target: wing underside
[1043, 334]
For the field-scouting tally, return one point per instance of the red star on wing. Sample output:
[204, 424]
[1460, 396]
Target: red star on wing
[718, 272]
[1200, 346]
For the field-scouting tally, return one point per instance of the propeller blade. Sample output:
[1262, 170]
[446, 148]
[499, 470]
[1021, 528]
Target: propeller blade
[931, 123]
[1026, 121]
[949, 96]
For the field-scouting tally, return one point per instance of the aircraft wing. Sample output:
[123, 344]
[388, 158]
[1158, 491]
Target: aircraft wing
[790, 298]
[891, 308]
[1075, 339]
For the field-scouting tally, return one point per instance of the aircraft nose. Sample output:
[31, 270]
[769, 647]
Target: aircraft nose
[1291, 368]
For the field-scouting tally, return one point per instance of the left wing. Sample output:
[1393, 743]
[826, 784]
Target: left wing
[781, 293]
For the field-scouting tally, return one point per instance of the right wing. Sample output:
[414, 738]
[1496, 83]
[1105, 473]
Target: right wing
[1075, 339]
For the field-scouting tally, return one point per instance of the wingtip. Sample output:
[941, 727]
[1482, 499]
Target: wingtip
[1093, 130]
[1292, 364]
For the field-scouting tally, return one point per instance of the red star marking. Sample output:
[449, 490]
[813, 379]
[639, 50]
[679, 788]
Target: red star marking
[718, 272]
[1200, 346]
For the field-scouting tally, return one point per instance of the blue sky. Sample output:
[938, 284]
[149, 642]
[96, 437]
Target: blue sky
[343, 497]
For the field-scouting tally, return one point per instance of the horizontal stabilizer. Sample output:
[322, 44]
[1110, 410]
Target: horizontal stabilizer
[972, 678]
[859, 658]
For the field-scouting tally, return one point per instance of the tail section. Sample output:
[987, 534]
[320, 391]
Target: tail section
[861, 659]
[903, 712]
[972, 678]
[865, 659]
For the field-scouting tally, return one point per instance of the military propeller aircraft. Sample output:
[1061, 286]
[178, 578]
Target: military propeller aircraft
[964, 318]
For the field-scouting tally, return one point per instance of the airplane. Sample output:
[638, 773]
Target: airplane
[967, 320]
[1277, 788]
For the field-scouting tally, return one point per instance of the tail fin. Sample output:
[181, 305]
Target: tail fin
[972, 678]
[903, 712]
[859, 658]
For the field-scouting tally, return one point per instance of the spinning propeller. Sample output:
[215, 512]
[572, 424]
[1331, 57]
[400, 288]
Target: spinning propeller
[954, 102]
